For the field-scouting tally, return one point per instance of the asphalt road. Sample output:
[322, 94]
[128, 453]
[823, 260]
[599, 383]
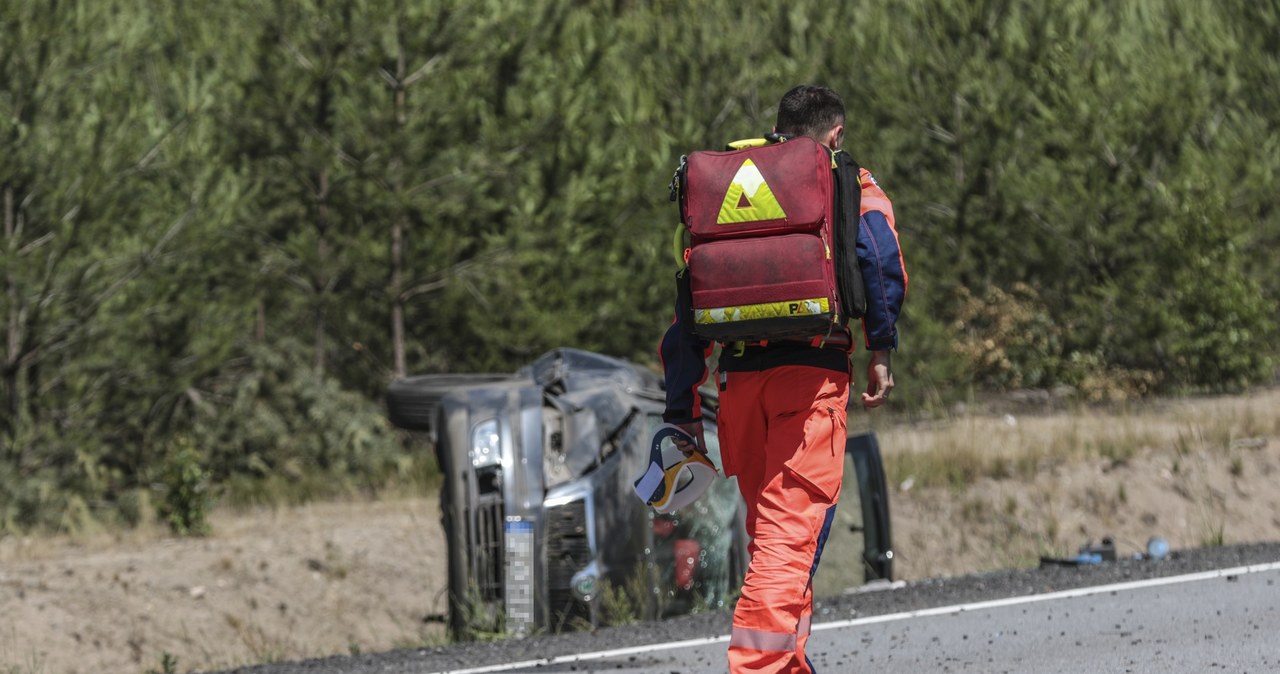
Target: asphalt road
[1216, 609]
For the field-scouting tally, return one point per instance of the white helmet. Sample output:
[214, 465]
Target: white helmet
[673, 479]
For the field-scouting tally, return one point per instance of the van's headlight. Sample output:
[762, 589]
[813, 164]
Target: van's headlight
[486, 444]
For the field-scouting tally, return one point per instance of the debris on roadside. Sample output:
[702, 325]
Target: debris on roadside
[1105, 551]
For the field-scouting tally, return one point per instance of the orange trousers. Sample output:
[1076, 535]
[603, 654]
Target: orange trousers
[782, 433]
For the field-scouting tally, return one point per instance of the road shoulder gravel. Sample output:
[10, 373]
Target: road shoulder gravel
[924, 594]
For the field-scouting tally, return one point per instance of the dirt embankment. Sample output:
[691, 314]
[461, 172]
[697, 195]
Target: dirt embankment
[335, 578]
[273, 585]
[1197, 472]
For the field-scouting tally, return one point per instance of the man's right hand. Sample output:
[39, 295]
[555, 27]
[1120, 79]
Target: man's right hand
[693, 428]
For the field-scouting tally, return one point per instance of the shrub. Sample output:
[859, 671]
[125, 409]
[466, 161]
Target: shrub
[186, 502]
[1007, 339]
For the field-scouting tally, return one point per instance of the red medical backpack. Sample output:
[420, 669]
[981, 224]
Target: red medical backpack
[772, 231]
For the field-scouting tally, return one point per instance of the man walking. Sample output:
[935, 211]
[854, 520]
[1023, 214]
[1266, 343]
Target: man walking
[782, 418]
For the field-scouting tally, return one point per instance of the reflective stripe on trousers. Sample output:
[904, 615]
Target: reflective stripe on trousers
[743, 637]
[782, 433]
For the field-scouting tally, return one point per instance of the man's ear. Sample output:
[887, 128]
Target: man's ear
[835, 137]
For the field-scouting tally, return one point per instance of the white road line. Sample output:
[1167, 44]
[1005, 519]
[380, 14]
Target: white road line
[872, 620]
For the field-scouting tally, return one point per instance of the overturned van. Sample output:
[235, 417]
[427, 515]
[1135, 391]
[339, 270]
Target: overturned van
[545, 532]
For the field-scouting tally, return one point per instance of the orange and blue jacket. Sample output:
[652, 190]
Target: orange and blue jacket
[884, 277]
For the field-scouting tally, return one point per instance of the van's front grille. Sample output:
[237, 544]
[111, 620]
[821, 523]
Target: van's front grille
[484, 540]
[568, 552]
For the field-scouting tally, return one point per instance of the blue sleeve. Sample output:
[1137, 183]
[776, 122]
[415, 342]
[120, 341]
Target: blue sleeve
[684, 362]
[883, 276]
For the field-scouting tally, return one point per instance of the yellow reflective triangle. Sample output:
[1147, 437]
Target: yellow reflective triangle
[749, 198]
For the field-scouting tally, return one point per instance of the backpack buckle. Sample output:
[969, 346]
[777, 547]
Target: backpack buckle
[674, 185]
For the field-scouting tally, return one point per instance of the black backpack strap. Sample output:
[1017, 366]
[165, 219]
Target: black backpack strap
[848, 207]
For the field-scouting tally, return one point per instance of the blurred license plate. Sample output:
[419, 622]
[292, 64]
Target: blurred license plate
[519, 576]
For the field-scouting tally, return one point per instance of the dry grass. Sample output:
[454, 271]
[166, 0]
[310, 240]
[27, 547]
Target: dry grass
[958, 451]
[980, 492]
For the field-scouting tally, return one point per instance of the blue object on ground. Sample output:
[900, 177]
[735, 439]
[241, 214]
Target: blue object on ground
[1157, 548]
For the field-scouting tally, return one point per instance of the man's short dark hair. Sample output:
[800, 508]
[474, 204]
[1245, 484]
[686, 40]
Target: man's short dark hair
[808, 110]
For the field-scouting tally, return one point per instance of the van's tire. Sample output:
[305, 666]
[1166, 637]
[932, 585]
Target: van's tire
[412, 401]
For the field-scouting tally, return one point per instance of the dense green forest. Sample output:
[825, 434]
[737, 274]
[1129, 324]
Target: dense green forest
[229, 224]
